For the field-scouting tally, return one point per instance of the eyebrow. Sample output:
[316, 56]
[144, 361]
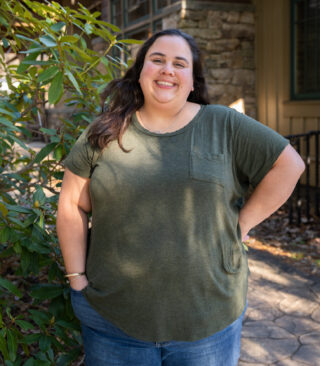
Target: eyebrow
[163, 55]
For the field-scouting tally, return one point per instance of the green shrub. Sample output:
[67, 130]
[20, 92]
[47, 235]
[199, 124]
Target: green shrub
[56, 59]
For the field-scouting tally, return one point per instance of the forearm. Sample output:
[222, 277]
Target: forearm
[72, 229]
[271, 193]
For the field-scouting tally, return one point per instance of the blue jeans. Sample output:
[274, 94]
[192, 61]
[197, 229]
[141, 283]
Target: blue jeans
[107, 345]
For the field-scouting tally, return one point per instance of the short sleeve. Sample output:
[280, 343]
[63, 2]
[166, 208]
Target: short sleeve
[256, 148]
[81, 157]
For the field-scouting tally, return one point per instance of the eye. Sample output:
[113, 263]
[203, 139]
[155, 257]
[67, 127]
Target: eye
[179, 65]
[157, 60]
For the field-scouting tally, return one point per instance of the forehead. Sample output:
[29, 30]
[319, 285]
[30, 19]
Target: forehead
[171, 46]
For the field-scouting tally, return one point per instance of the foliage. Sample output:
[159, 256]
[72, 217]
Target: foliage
[46, 58]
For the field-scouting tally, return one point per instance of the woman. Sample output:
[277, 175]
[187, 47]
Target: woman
[164, 281]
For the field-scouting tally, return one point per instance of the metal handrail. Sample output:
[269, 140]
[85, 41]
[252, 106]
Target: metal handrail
[301, 197]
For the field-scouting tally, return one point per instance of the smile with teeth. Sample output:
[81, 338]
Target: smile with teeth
[164, 83]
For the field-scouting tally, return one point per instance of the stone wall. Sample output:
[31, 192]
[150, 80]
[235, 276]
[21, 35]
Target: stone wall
[225, 34]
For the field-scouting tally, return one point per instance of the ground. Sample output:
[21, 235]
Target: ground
[297, 245]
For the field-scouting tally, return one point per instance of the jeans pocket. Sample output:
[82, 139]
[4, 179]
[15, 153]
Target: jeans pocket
[207, 167]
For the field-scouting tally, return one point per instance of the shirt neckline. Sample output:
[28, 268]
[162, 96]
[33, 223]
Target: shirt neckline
[138, 126]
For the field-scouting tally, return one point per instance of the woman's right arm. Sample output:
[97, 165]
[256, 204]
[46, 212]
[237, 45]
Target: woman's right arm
[72, 225]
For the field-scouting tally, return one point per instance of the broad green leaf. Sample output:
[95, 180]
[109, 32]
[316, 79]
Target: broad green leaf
[12, 344]
[30, 62]
[81, 53]
[105, 61]
[41, 221]
[57, 26]
[45, 151]
[3, 344]
[69, 39]
[67, 325]
[30, 362]
[109, 25]
[5, 43]
[3, 21]
[17, 248]
[66, 358]
[4, 111]
[104, 34]
[129, 41]
[26, 260]
[73, 81]
[58, 153]
[48, 41]
[48, 131]
[48, 74]
[24, 65]
[19, 142]
[83, 43]
[56, 88]
[44, 342]
[24, 324]
[8, 124]
[88, 28]
[4, 235]
[20, 36]
[39, 197]
[18, 208]
[48, 291]
[39, 316]
[10, 287]
[34, 50]
[3, 209]
[31, 338]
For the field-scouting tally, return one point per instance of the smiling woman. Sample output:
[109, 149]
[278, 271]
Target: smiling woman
[163, 281]
[166, 80]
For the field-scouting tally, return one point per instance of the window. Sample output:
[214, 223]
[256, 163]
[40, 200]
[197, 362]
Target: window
[116, 13]
[160, 4]
[136, 10]
[305, 49]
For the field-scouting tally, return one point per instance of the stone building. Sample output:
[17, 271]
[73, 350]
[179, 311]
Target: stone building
[261, 56]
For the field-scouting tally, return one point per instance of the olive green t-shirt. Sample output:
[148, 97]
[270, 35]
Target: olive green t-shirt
[165, 260]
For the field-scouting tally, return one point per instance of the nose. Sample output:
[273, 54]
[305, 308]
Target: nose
[167, 69]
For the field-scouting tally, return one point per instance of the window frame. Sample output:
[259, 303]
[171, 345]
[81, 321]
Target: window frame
[294, 94]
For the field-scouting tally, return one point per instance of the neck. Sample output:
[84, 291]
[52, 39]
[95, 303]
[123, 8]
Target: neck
[162, 120]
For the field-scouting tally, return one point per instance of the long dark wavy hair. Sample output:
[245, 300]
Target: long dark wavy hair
[124, 96]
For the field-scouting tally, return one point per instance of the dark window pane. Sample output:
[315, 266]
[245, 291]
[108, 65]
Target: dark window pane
[137, 9]
[307, 48]
[161, 3]
[116, 13]
[157, 26]
[141, 34]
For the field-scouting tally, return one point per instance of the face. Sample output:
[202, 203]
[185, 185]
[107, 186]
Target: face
[166, 76]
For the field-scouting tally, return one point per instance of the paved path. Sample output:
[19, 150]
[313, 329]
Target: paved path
[282, 323]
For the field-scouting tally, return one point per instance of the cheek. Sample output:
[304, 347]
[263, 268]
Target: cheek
[187, 78]
[146, 73]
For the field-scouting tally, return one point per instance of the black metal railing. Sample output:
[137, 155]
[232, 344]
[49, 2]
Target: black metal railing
[305, 200]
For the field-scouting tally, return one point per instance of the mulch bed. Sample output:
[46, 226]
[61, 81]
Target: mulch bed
[298, 245]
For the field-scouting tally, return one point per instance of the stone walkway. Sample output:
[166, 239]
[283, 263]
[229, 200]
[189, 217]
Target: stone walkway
[282, 323]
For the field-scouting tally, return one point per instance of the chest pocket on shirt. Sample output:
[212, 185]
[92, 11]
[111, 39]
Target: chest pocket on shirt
[207, 167]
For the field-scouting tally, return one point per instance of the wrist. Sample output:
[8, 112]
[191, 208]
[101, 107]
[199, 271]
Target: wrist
[74, 274]
[78, 283]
